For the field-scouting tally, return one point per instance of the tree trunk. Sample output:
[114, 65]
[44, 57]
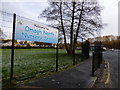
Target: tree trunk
[70, 51]
[80, 17]
[71, 32]
[63, 27]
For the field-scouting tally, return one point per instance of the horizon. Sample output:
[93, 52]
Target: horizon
[28, 9]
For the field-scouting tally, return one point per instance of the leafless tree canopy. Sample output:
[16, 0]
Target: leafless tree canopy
[74, 19]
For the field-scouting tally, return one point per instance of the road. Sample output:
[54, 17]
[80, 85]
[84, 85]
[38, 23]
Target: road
[112, 58]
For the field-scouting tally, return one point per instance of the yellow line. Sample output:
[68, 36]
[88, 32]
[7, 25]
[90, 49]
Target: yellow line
[103, 76]
[104, 70]
[108, 77]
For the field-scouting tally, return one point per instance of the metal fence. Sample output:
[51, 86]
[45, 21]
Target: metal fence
[85, 49]
[6, 24]
[97, 57]
[32, 62]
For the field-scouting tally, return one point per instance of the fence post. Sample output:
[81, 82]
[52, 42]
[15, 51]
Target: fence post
[74, 51]
[100, 52]
[12, 51]
[82, 45]
[99, 57]
[57, 58]
[88, 46]
[92, 64]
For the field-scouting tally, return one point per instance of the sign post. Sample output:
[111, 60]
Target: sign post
[57, 58]
[12, 51]
[29, 30]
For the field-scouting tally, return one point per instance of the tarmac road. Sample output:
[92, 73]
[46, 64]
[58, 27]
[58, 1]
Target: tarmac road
[112, 57]
[76, 77]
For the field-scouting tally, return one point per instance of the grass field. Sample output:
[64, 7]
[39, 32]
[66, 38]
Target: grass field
[34, 63]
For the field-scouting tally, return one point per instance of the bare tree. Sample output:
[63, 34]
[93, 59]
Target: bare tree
[2, 35]
[78, 19]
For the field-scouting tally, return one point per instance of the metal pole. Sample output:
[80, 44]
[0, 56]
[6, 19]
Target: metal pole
[93, 64]
[82, 45]
[74, 51]
[57, 58]
[99, 56]
[101, 51]
[88, 48]
[12, 51]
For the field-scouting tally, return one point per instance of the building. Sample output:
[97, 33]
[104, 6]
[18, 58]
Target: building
[109, 38]
[104, 38]
[91, 40]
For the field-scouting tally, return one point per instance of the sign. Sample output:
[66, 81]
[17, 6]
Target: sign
[30, 30]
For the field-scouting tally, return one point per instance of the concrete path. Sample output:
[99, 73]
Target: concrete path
[76, 77]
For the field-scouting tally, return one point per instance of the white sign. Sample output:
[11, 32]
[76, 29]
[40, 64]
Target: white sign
[30, 30]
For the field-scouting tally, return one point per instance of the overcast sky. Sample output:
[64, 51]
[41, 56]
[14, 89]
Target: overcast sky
[33, 8]
[110, 16]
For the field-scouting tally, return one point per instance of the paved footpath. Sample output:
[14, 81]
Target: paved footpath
[76, 77]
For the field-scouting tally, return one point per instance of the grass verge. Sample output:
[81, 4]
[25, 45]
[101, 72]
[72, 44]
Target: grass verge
[34, 63]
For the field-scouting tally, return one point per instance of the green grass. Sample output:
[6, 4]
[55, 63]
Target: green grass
[34, 63]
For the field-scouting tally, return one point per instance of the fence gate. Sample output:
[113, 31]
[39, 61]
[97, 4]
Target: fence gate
[85, 49]
[97, 57]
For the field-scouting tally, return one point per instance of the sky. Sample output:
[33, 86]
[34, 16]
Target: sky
[32, 8]
[109, 16]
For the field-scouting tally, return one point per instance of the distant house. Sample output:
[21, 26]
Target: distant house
[9, 43]
[32, 44]
[91, 40]
[104, 38]
[109, 38]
